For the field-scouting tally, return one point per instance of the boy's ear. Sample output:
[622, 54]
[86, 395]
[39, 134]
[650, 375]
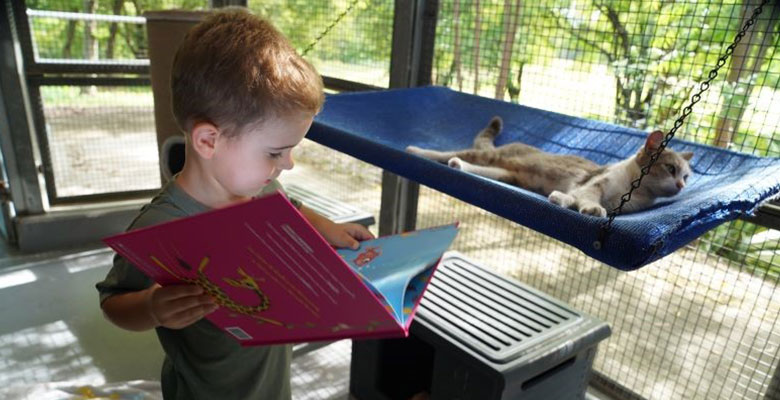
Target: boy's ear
[204, 137]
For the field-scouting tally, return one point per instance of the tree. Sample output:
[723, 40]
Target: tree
[477, 30]
[70, 35]
[511, 15]
[513, 88]
[643, 48]
[90, 28]
[116, 8]
[456, 50]
[90, 42]
[744, 68]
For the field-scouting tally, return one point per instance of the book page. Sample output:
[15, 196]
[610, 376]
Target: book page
[401, 265]
[275, 278]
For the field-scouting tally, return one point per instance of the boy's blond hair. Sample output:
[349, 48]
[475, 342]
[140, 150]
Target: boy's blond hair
[235, 69]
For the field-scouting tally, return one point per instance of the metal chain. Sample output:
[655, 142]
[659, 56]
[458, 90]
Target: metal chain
[703, 87]
[327, 30]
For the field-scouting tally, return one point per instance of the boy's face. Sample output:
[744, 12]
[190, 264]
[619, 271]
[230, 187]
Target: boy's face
[245, 164]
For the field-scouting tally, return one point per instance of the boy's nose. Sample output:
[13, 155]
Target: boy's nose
[287, 162]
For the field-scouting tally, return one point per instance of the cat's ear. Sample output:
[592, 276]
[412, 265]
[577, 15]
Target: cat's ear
[687, 155]
[653, 141]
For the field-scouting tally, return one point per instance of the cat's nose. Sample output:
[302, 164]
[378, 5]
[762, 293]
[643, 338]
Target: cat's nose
[680, 185]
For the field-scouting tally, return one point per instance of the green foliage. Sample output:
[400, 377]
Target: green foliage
[656, 51]
[363, 36]
[58, 38]
[75, 97]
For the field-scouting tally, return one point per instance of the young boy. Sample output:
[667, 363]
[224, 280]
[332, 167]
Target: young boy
[244, 99]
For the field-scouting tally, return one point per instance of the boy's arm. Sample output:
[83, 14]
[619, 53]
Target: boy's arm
[339, 235]
[171, 307]
[132, 301]
[129, 310]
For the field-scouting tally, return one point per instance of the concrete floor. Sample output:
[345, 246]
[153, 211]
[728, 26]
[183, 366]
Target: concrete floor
[55, 344]
[53, 335]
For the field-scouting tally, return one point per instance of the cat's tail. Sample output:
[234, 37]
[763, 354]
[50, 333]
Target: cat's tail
[485, 137]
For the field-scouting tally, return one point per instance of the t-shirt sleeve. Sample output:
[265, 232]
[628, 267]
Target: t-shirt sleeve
[124, 277]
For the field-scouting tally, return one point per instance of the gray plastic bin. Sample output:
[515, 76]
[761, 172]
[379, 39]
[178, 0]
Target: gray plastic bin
[480, 336]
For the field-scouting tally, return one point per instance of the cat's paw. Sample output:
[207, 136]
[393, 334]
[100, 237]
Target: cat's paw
[455, 162]
[414, 150]
[593, 209]
[562, 199]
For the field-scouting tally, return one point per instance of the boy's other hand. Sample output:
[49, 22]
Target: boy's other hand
[178, 306]
[346, 234]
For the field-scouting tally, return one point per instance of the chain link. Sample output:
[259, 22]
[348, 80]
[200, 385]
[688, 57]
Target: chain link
[695, 98]
[327, 30]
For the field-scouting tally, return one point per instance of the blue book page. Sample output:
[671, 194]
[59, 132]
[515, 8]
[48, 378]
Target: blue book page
[399, 266]
[414, 293]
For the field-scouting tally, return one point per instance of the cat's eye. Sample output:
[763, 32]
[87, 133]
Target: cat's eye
[670, 168]
[685, 178]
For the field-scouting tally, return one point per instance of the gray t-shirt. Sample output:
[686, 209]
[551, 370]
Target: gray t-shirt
[202, 361]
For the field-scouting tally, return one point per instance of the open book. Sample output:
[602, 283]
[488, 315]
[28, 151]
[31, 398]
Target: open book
[278, 281]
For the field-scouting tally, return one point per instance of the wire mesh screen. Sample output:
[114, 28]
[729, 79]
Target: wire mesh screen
[101, 139]
[698, 323]
[96, 139]
[345, 39]
[694, 325]
[633, 63]
[338, 176]
[94, 31]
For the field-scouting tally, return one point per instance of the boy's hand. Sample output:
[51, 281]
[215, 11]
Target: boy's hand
[340, 235]
[345, 235]
[178, 306]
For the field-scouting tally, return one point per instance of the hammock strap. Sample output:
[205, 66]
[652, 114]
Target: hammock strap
[703, 87]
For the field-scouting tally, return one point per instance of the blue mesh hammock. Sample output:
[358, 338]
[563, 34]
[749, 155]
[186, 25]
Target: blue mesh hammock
[376, 127]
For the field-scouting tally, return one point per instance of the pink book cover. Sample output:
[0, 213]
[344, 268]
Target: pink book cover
[277, 280]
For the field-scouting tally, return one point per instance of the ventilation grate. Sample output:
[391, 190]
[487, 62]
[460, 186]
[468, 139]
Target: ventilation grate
[335, 210]
[497, 318]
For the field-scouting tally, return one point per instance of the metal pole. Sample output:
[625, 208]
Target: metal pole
[17, 142]
[226, 3]
[414, 29]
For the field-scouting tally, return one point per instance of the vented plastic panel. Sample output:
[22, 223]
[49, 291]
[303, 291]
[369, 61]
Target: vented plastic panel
[496, 318]
[335, 210]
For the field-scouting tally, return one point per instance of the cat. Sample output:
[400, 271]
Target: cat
[567, 180]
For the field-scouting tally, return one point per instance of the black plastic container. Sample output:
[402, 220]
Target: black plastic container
[480, 336]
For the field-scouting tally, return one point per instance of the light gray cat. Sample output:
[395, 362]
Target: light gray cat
[567, 180]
